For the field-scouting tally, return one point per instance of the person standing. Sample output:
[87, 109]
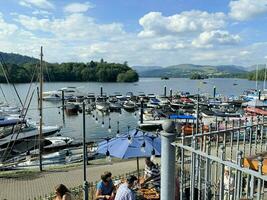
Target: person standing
[125, 191]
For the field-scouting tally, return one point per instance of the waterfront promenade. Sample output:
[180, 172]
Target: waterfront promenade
[44, 183]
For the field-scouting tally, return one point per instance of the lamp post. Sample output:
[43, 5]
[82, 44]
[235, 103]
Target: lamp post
[85, 183]
[142, 112]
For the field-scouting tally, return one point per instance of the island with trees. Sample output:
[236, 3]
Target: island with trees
[197, 76]
[22, 72]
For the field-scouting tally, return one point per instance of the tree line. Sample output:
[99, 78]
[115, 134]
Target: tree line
[71, 71]
[261, 75]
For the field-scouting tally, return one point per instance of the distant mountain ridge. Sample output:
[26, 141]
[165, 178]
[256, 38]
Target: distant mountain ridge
[141, 69]
[13, 58]
[186, 70]
[181, 70]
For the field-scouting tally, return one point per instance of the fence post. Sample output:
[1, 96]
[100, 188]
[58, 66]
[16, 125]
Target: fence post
[192, 175]
[221, 192]
[260, 159]
[207, 174]
[182, 170]
[251, 187]
[238, 189]
[167, 189]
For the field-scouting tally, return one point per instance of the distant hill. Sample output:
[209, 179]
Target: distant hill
[17, 59]
[186, 70]
[231, 68]
[254, 67]
[141, 69]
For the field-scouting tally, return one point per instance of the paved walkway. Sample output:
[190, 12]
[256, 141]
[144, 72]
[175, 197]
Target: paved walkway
[31, 188]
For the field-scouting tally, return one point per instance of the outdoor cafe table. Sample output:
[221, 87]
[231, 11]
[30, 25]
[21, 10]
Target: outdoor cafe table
[147, 194]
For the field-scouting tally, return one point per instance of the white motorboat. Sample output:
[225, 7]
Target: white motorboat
[129, 106]
[21, 141]
[57, 142]
[102, 104]
[52, 97]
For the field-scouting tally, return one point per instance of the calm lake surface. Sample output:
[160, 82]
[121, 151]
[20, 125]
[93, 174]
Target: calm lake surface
[73, 124]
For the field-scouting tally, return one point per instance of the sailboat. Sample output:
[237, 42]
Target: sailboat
[19, 135]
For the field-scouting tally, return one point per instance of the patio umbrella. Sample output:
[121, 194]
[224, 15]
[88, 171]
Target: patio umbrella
[136, 144]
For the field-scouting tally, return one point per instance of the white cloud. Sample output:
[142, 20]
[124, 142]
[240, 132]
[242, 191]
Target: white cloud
[23, 3]
[179, 38]
[208, 39]
[33, 23]
[78, 7]
[41, 13]
[180, 46]
[247, 9]
[168, 45]
[43, 4]
[155, 24]
[76, 26]
[6, 29]
[244, 53]
[162, 46]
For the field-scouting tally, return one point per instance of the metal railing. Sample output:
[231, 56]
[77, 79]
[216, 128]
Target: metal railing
[219, 163]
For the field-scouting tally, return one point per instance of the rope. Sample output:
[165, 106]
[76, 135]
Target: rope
[28, 92]
[20, 128]
[47, 71]
[21, 114]
[4, 65]
[3, 93]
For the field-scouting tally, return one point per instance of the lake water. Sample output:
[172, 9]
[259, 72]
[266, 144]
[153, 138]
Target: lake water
[73, 124]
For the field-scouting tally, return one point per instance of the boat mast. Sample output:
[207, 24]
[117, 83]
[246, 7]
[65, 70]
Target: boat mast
[257, 77]
[41, 110]
[264, 77]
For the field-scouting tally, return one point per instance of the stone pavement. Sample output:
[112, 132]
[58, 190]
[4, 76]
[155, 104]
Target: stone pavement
[13, 189]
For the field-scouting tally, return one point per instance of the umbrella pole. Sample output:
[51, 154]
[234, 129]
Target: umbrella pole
[137, 160]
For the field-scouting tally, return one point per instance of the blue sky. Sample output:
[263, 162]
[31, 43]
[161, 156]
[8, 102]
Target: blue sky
[148, 32]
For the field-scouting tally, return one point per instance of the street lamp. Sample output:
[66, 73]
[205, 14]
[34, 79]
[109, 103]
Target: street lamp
[143, 147]
[118, 127]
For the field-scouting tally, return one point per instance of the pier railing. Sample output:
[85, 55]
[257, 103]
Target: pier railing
[226, 163]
